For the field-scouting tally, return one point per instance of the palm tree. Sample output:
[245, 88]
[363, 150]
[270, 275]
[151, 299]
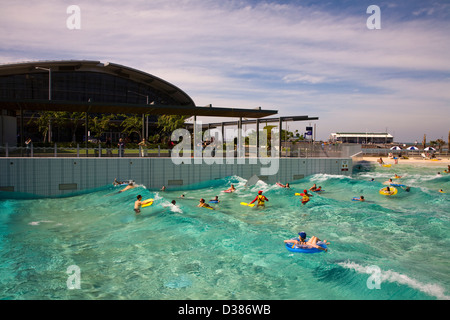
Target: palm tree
[440, 143]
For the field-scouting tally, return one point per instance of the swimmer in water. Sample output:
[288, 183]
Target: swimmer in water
[311, 242]
[260, 198]
[137, 204]
[204, 204]
[284, 185]
[231, 189]
[216, 198]
[305, 197]
[388, 190]
[129, 186]
[116, 183]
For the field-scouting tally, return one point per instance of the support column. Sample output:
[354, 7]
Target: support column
[257, 138]
[280, 122]
[86, 123]
[143, 126]
[239, 141]
[197, 142]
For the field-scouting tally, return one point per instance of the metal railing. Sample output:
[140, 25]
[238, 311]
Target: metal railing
[311, 150]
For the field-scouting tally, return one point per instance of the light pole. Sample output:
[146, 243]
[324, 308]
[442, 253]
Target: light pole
[49, 98]
[49, 81]
[143, 121]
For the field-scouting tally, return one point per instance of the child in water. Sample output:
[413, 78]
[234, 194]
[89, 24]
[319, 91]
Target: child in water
[137, 204]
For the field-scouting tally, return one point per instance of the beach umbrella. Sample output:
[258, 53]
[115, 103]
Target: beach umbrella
[412, 148]
[396, 148]
[429, 148]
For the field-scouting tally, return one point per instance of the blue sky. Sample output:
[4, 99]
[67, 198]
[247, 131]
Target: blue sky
[301, 57]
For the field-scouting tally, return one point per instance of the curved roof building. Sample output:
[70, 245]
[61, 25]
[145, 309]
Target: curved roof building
[93, 86]
[86, 81]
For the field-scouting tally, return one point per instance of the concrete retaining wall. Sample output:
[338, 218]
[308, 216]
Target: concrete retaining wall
[63, 176]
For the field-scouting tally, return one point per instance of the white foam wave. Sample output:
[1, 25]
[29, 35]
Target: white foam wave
[36, 223]
[392, 276]
[320, 177]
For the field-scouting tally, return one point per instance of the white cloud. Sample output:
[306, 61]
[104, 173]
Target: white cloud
[230, 53]
[303, 78]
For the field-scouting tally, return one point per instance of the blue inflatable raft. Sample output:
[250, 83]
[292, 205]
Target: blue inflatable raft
[305, 248]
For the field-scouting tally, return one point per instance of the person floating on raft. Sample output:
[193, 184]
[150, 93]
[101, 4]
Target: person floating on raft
[203, 204]
[128, 187]
[312, 242]
[215, 200]
[260, 198]
[231, 189]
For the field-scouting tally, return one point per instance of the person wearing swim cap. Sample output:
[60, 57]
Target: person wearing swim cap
[204, 204]
[310, 243]
[260, 198]
[305, 196]
[302, 236]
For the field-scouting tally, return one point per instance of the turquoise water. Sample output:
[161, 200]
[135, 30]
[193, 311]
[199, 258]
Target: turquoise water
[234, 252]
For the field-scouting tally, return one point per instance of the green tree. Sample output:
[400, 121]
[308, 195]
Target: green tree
[169, 123]
[44, 120]
[132, 124]
[440, 143]
[100, 124]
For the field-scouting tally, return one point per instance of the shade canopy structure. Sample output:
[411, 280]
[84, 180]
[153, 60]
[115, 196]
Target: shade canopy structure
[127, 108]
[396, 148]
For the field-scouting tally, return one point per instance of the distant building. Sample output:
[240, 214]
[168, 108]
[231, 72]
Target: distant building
[363, 138]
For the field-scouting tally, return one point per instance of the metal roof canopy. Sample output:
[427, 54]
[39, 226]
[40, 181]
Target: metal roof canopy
[277, 119]
[107, 107]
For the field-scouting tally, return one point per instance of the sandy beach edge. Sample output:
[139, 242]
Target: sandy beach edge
[441, 162]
